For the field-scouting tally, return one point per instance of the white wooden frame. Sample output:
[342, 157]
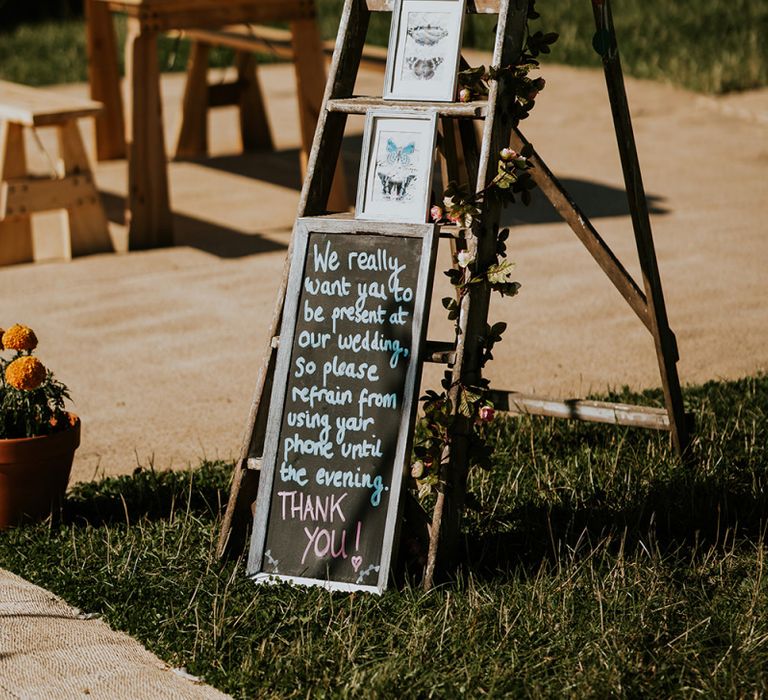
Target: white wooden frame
[377, 121]
[449, 53]
[304, 227]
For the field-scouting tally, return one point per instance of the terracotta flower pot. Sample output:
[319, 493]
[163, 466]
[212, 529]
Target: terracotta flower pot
[34, 473]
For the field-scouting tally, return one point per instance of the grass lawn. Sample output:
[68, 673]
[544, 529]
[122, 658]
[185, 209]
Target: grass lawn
[596, 565]
[708, 45]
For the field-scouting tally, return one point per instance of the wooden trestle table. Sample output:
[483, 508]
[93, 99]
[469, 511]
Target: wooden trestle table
[148, 212]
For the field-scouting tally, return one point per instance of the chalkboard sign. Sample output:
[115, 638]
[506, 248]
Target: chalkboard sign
[343, 403]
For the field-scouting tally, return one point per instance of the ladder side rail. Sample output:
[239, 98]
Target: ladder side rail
[664, 339]
[554, 191]
[481, 244]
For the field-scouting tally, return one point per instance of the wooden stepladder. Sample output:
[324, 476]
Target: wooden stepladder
[467, 160]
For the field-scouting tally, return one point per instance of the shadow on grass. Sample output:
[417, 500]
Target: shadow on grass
[149, 494]
[671, 516]
[577, 485]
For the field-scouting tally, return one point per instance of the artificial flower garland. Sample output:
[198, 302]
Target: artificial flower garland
[461, 207]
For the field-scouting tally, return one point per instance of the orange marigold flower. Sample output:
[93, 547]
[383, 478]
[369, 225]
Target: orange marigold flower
[26, 373]
[19, 337]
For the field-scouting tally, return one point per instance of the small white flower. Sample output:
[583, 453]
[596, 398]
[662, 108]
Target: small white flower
[465, 258]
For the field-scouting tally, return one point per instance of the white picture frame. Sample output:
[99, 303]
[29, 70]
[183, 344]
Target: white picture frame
[424, 50]
[396, 166]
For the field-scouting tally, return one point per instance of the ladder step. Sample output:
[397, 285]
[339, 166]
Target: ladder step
[478, 6]
[360, 105]
[254, 463]
[593, 411]
[440, 352]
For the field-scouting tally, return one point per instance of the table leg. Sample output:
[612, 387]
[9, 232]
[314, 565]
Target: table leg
[104, 79]
[150, 223]
[309, 64]
[16, 230]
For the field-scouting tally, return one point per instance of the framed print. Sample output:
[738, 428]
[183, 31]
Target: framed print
[396, 166]
[424, 49]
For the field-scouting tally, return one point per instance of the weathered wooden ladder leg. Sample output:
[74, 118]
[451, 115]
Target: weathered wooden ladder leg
[481, 244]
[664, 338]
[326, 148]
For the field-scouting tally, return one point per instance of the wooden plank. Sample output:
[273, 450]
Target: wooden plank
[473, 313]
[353, 27]
[148, 215]
[224, 94]
[274, 41]
[173, 6]
[15, 236]
[32, 106]
[664, 339]
[488, 7]
[439, 352]
[104, 81]
[192, 141]
[309, 67]
[254, 124]
[87, 222]
[161, 17]
[586, 232]
[577, 409]
[361, 104]
[22, 196]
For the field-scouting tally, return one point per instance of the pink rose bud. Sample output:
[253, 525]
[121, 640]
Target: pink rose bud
[454, 218]
[507, 154]
[436, 213]
[487, 413]
[465, 95]
[417, 470]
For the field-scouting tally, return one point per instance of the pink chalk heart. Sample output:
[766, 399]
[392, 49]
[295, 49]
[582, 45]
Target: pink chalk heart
[356, 562]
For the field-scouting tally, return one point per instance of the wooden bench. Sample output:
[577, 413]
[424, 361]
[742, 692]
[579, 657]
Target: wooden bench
[71, 188]
[245, 91]
[300, 44]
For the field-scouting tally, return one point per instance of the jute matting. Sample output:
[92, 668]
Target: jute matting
[49, 649]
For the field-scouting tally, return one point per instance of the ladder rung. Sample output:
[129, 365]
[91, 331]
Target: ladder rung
[440, 352]
[254, 463]
[360, 105]
[479, 6]
[594, 411]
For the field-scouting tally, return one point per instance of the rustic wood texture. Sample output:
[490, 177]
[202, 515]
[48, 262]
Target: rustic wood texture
[85, 217]
[148, 213]
[360, 105]
[192, 140]
[30, 106]
[165, 15]
[104, 80]
[254, 124]
[578, 409]
[275, 42]
[664, 339]
[583, 228]
[309, 66]
[16, 232]
[473, 315]
[489, 7]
